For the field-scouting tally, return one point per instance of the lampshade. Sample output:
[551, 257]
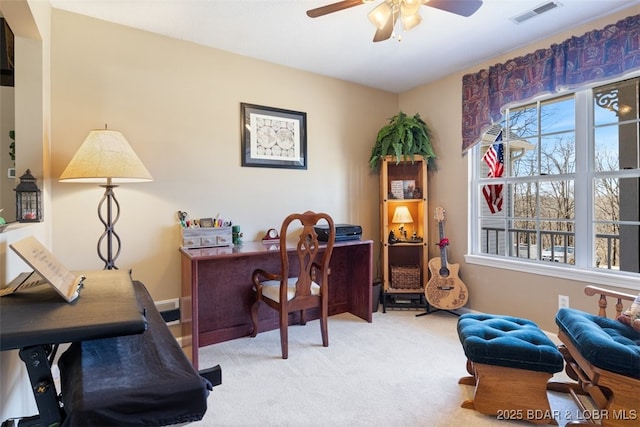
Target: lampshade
[105, 156]
[402, 215]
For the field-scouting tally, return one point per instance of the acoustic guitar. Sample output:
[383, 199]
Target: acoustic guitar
[444, 289]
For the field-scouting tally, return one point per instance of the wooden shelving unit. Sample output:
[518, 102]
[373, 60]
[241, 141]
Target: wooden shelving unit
[404, 252]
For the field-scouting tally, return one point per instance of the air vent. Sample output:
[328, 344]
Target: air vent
[538, 10]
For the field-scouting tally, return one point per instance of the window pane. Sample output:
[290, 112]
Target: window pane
[557, 200]
[615, 102]
[525, 159]
[557, 115]
[492, 238]
[607, 199]
[629, 246]
[558, 154]
[524, 237]
[606, 148]
[615, 111]
[617, 247]
[525, 200]
[617, 223]
[523, 121]
[616, 147]
[629, 146]
[492, 199]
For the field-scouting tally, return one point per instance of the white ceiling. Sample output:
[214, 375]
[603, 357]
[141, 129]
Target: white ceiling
[340, 44]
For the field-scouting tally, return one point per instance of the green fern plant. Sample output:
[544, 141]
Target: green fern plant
[404, 137]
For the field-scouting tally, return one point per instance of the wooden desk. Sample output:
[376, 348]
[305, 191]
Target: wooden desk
[217, 291]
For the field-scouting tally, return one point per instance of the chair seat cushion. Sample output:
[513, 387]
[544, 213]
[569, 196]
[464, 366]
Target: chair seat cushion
[606, 343]
[508, 341]
[271, 289]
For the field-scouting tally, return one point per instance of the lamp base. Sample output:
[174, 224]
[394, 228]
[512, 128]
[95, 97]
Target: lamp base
[109, 234]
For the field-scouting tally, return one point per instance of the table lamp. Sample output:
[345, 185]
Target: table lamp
[106, 158]
[402, 216]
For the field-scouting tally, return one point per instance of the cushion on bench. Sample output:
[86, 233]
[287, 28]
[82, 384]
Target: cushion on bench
[143, 379]
[508, 341]
[606, 343]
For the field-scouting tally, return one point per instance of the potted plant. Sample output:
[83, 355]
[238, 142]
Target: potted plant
[404, 137]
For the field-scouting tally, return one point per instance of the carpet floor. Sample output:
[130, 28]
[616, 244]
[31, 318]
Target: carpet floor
[400, 370]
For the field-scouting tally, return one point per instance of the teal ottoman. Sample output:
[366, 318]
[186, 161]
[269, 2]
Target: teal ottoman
[510, 361]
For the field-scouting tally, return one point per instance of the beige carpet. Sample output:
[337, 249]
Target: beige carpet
[400, 370]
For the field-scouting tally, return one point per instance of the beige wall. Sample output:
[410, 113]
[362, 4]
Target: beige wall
[490, 289]
[178, 104]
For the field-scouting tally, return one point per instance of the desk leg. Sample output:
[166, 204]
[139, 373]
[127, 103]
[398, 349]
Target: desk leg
[44, 389]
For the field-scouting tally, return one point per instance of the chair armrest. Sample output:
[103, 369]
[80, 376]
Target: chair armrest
[264, 274]
[604, 293]
[258, 275]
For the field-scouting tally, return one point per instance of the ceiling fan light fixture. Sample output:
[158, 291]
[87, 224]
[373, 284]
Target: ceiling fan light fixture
[410, 21]
[380, 15]
[410, 7]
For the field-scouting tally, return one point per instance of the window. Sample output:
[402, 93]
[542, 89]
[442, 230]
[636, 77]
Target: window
[557, 185]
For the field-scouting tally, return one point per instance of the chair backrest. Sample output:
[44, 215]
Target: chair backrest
[307, 250]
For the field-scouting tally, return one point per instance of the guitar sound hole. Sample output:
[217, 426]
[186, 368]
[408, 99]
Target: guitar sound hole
[444, 272]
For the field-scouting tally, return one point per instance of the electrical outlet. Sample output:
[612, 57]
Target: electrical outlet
[563, 301]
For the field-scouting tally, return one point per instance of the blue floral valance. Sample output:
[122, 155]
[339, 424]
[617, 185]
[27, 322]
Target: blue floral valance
[596, 55]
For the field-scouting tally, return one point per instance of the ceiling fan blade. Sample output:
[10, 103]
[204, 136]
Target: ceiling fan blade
[459, 7]
[333, 7]
[386, 31]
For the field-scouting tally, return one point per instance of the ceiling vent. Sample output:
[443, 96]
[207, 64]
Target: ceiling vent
[538, 10]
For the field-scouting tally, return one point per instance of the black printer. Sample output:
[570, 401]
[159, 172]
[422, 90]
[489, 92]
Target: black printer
[343, 232]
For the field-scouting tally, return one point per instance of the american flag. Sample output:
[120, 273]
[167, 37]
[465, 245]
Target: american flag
[494, 158]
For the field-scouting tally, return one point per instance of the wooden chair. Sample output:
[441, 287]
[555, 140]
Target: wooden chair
[302, 282]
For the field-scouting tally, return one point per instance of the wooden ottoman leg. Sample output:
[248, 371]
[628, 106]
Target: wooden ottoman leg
[510, 393]
[468, 380]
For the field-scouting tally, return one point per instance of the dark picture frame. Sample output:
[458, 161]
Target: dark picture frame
[273, 137]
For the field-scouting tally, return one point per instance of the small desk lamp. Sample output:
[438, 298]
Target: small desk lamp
[402, 216]
[106, 158]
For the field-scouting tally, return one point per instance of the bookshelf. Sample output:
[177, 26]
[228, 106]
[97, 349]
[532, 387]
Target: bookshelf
[404, 232]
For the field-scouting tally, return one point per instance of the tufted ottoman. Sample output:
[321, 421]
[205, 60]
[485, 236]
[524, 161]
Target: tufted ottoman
[510, 361]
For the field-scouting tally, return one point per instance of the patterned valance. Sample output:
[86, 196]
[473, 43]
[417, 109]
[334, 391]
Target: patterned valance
[596, 55]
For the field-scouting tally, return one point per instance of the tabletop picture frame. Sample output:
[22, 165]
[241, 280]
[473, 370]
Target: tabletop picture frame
[273, 137]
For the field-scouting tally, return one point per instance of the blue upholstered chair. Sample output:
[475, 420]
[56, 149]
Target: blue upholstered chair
[603, 356]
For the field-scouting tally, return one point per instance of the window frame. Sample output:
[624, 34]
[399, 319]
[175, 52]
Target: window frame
[583, 181]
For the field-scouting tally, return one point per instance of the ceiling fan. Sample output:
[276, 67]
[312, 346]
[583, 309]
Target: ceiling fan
[386, 14]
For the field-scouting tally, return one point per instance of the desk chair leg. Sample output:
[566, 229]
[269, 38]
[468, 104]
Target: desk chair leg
[284, 333]
[324, 330]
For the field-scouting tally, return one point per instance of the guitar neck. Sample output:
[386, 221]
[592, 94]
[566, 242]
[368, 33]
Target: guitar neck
[443, 247]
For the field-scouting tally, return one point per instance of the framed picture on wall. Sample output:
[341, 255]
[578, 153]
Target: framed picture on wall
[273, 137]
